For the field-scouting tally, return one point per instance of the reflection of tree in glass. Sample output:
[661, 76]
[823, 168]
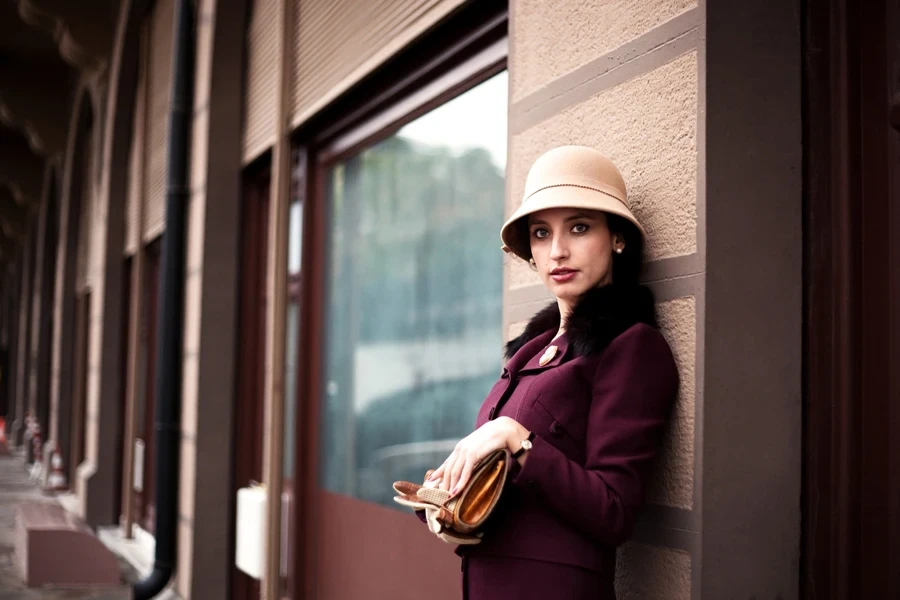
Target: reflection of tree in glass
[415, 266]
[428, 260]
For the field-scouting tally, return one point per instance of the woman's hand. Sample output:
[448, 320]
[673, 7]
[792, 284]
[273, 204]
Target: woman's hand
[454, 473]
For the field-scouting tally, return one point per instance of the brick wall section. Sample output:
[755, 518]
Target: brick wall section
[625, 77]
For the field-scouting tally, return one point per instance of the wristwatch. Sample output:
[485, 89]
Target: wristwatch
[526, 445]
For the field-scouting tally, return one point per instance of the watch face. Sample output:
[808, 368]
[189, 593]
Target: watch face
[526, 444]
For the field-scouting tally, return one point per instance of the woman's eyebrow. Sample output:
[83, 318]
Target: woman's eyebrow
[574, 217]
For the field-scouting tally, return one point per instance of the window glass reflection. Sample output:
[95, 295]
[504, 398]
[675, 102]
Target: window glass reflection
[414, 299]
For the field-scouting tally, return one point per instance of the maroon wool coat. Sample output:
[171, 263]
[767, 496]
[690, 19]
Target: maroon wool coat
[598, 410]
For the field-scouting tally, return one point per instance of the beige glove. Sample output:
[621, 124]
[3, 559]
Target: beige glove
[438, 510]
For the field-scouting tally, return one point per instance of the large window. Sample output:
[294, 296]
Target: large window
[414, 293]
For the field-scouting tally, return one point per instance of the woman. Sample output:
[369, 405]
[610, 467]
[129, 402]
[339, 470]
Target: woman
[583, 398]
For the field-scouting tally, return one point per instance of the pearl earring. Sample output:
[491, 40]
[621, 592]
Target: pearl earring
[531, 262]
[618, 251]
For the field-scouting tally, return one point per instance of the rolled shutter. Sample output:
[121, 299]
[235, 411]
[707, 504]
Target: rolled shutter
[159, 83]
[259, 92]
[337, 42]
[135, 168]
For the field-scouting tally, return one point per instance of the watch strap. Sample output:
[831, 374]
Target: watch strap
[522, 448]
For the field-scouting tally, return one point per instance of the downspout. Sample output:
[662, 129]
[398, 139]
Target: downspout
[168, 355]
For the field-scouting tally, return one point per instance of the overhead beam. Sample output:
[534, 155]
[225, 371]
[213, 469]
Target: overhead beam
[21, 170]
[83, 31]
[13, 226]
[13, 216]
[33, 99]
[7, 247]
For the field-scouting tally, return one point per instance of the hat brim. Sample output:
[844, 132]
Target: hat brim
[565, 196]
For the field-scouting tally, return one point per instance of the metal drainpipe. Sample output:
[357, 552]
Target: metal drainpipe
[170, 333]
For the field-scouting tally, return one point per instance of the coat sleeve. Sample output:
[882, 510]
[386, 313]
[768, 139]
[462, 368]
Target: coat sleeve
[634, 388]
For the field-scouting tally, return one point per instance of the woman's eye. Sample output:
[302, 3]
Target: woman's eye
[540, 233]
[580, 228]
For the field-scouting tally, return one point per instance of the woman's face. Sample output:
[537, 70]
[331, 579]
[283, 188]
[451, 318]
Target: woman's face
[572, 250]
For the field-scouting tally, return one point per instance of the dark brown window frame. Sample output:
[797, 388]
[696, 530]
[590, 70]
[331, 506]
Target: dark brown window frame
[464, 50]
[851, 471]
[247, 427]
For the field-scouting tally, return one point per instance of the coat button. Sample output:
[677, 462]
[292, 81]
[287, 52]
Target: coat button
[556, 429]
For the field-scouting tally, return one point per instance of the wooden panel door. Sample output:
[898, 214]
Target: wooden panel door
[145, 495]
[250, 392]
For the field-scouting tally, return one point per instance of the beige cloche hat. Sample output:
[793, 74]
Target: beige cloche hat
[569, 177]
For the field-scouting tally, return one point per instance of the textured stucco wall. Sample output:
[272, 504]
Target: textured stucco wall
[673, 481]
[516, 329]
[555, 38]
[625, 77]
[653, 573]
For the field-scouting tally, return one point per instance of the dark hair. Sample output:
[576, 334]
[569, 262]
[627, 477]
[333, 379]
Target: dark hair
[626, 267]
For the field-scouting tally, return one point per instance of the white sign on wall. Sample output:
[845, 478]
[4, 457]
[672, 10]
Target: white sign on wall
[139, 465]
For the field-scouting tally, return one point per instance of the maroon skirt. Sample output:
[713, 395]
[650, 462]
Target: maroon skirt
[503, 578]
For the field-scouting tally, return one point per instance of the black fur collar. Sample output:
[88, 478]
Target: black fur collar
[600, 316]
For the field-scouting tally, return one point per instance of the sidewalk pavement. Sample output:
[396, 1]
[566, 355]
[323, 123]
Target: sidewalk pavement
[16, 487]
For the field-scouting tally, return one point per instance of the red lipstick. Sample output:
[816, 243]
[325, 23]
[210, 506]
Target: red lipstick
[563, 274]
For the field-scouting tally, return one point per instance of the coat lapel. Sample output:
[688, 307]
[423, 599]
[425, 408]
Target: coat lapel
[556, 357]
[522, 359]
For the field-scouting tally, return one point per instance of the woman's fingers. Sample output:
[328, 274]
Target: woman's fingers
[464, 477]
[436, 473]
[447, 469]
[432, 478]
[458, 468]
[455, 472]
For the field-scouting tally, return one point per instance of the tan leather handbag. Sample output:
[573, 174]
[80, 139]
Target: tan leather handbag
[460, 519]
